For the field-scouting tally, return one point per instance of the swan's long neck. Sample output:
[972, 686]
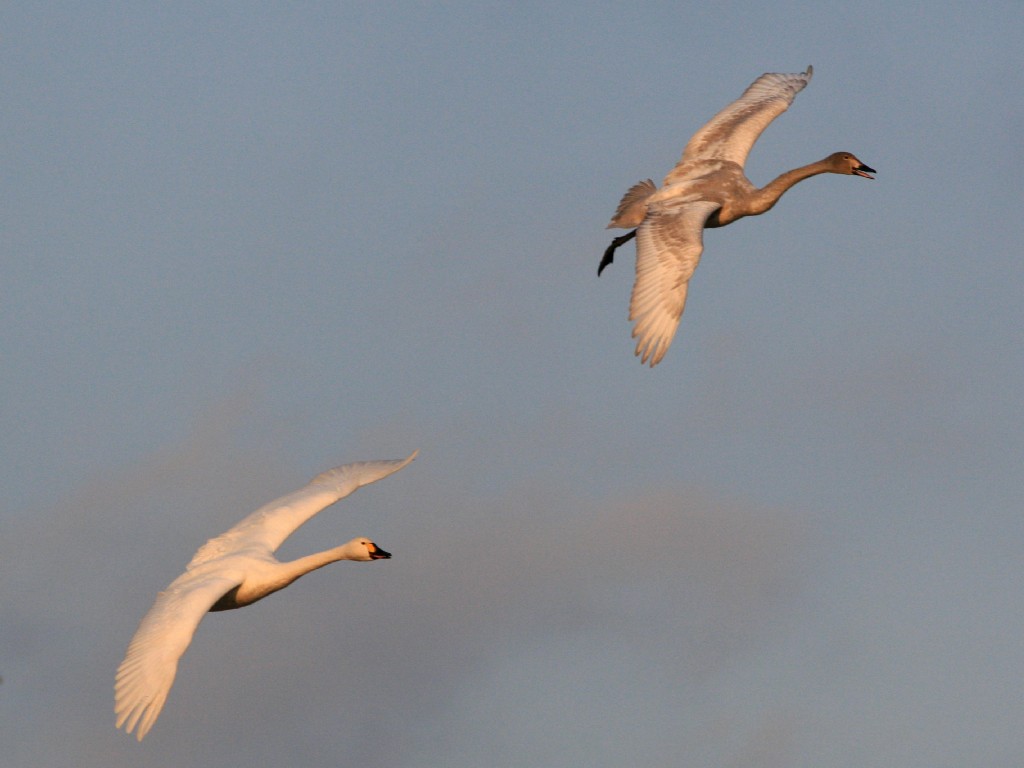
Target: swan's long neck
[769, 195]
[278, 575]
[750, 201]
[765, 198]
[293, 569]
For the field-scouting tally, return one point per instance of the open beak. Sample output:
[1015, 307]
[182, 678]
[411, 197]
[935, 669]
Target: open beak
[379, 554]
[863, 170]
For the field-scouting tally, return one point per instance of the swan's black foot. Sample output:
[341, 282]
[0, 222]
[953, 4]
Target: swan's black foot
[609, 254]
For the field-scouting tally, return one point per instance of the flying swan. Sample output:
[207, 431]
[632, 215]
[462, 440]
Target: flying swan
[707, 188]
[233, 570]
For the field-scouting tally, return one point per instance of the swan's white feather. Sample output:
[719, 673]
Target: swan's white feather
[240, 557]
[269, 526]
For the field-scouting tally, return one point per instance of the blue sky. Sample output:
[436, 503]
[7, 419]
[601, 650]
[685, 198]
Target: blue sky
[244, 244]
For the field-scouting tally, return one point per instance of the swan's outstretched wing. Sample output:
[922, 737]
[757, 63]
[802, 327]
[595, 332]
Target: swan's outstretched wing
[145, 676]
[272, 523]
[731, 133]
[668, 247]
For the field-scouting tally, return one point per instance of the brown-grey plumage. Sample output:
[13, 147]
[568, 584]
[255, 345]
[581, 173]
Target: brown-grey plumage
[707, 188]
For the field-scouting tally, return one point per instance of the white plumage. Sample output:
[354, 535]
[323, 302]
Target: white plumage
[233, 570]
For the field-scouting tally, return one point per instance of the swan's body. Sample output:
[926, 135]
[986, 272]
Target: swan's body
[233, 570]
[707, 188]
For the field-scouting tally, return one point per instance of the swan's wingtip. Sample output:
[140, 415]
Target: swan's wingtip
[810, 71]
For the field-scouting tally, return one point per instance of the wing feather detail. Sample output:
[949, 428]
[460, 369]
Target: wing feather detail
[731, 133]
[669, 245]
[271, 524]
[147, 673]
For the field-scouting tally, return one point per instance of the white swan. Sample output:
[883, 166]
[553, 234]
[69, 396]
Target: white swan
[232, 570]
[707, 188]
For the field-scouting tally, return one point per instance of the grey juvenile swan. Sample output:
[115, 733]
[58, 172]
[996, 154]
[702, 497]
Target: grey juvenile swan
[707, 188]
[233, 570]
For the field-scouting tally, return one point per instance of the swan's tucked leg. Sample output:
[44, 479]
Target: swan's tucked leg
[609, 254]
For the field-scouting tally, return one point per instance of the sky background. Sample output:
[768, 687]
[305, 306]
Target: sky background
[245, 243]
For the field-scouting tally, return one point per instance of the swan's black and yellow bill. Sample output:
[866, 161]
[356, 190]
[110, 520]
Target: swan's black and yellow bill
[864, 170]
[379, 554]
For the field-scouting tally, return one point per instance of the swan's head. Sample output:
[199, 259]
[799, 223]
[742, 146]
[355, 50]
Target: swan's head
[364, 550]
[848, 164]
